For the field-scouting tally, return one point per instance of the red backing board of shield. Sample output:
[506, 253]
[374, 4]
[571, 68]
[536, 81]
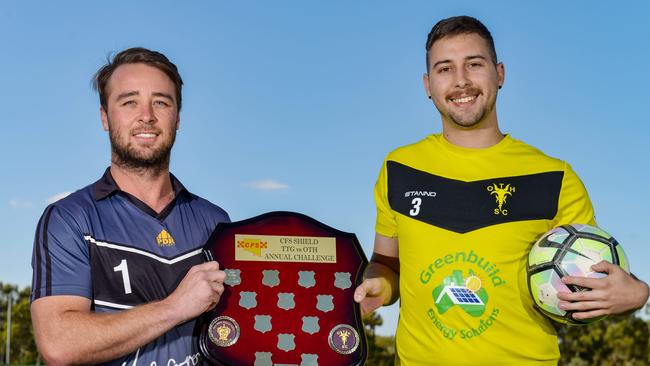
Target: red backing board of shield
[350, 258]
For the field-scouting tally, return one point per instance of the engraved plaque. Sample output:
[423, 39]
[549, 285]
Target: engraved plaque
[290, 287]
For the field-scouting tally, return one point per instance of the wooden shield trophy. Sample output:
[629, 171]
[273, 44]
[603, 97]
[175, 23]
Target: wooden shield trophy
[288, 297]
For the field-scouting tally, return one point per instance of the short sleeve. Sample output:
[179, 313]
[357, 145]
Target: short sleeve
[386, 224]
[60, 258]
[574, 206]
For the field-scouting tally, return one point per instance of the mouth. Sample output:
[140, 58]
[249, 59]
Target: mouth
[463, 99]
[146, 135]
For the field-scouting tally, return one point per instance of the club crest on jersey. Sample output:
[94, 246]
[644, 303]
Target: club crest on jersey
[164, 239]
[501, 194]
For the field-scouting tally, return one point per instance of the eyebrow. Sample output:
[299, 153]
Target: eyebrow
[164, 95]
[476, 56]
[466, 59]
[134, 93]
[127, 94]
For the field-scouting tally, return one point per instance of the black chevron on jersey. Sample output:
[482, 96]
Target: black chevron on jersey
[462, 206]
[124, 276]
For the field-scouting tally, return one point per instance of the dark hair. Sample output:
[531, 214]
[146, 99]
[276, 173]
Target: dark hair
[455, 26]
[136, 55]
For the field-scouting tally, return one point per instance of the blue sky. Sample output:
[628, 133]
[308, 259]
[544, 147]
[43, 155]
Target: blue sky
[292, 105]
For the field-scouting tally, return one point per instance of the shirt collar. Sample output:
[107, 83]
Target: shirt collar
[106, 186]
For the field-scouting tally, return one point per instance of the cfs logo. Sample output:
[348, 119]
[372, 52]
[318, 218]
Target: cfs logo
[501, 193]
[253, 246]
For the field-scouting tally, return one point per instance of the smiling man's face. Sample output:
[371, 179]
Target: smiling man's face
[463, 80]
[142, 116]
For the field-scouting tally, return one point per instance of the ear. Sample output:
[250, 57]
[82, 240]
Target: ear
[425, 80]
[501, 74]
[104, 117]
[178, 122]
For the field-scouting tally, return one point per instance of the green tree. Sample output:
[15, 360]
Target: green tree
[614, 341]
[23, 346]
[381, 350]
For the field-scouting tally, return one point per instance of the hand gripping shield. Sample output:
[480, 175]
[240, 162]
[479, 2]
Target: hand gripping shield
[288, 297]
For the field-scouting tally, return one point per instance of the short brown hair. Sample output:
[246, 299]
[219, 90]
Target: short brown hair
[136, 55]
[455, 26]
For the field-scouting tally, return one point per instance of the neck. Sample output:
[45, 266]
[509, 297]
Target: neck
[151, 186]
[481, 136]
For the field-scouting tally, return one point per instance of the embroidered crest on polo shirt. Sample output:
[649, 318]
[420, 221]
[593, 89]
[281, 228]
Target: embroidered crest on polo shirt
[501, 194]
[164, 239]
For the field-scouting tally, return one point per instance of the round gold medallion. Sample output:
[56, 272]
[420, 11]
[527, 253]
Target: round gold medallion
[223, 331]
[344, 339]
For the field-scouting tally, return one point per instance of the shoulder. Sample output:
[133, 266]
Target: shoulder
[63, 224]
[205, 207]
[198, 206]
[414, 150]
[73, 207]
[79, 199]
[534, 157]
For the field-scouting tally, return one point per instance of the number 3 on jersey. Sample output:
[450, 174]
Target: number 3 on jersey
[122, 267]
[417, 201]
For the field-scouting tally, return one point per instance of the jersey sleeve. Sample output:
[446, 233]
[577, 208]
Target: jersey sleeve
[386, 224]
[574, 205]
[60, 258]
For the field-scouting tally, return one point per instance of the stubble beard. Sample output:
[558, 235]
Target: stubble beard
[151, 160]
[465, 121]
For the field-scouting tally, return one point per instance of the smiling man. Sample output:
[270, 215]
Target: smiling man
[457, 214]
[118, 273]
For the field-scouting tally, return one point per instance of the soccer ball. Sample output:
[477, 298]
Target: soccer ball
[568, 250]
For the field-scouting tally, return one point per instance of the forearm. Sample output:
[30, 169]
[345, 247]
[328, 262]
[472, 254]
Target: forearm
[641, 293]
[83, 337]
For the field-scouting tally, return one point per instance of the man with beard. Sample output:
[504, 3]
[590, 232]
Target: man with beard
[118, 274]
[456, 215]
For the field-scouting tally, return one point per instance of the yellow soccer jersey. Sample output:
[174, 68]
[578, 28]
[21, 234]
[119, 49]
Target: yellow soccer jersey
[465, 220]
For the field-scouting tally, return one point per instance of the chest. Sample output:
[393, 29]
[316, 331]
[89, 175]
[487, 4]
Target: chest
[463, 206]
[136, 258]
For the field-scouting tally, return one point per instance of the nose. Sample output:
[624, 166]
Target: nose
[147, 114]
[461, 79]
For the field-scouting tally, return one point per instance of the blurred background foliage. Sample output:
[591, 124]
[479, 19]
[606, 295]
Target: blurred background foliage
[614, 341]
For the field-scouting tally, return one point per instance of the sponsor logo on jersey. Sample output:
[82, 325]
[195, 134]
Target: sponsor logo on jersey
[253, 246]
[164, 239]
[462, 290]
[501, 194]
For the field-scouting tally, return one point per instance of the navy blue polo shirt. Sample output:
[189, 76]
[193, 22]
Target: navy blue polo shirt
[106, 245]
